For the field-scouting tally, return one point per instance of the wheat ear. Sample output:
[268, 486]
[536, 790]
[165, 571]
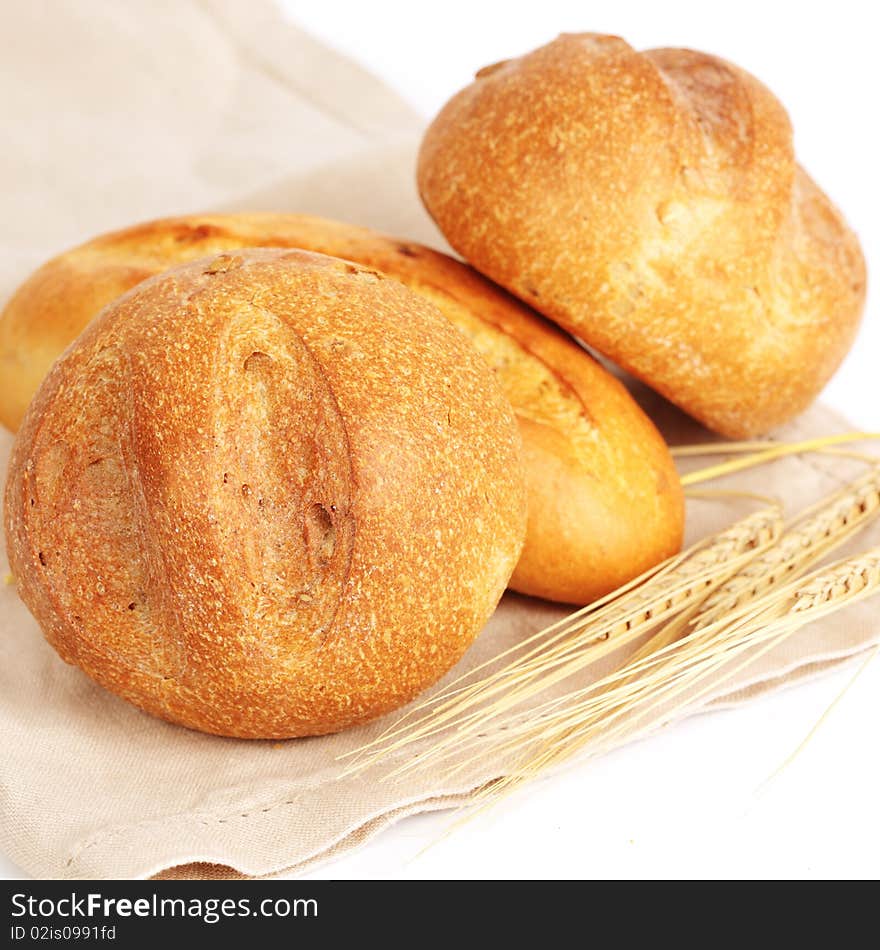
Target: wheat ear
[812, 536]
[678, 676]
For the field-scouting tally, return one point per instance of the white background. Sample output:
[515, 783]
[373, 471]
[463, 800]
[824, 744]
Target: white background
[694, 801]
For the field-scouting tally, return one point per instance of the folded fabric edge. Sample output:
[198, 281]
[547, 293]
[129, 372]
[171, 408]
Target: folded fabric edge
[797, 674]
[357, 837]
[109, 859]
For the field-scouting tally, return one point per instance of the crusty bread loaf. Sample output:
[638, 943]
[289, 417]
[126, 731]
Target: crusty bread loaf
[246, 501]
[604, 498]
[651, 204]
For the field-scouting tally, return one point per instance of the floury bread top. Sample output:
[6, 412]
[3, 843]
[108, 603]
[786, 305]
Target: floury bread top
[650, 203]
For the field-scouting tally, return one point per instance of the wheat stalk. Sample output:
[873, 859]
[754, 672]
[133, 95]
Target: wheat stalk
[761, 452]
[822, 444]
[720, 605]
[594, 702]
[814, 534]
[676, 677]
[629, 613]
[817, 725]
[554, 654]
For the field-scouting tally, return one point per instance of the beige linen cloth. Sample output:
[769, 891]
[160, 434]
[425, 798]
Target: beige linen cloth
[117, 112]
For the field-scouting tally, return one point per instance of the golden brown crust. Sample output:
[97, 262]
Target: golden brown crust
[245, 502]
[605, 500]
[651, 204]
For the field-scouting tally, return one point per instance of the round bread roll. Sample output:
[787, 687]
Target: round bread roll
[605, 503]
[266, 494]
[651, 204]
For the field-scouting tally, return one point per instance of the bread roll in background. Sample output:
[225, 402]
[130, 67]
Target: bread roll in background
[605, 503]
[266, 494]
[651, 204]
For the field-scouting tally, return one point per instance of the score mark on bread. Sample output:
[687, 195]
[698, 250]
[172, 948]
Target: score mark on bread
[243, 529]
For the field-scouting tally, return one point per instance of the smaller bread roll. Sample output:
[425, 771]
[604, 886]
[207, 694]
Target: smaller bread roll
[651, 204]
[605, 503]
[244, 501]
